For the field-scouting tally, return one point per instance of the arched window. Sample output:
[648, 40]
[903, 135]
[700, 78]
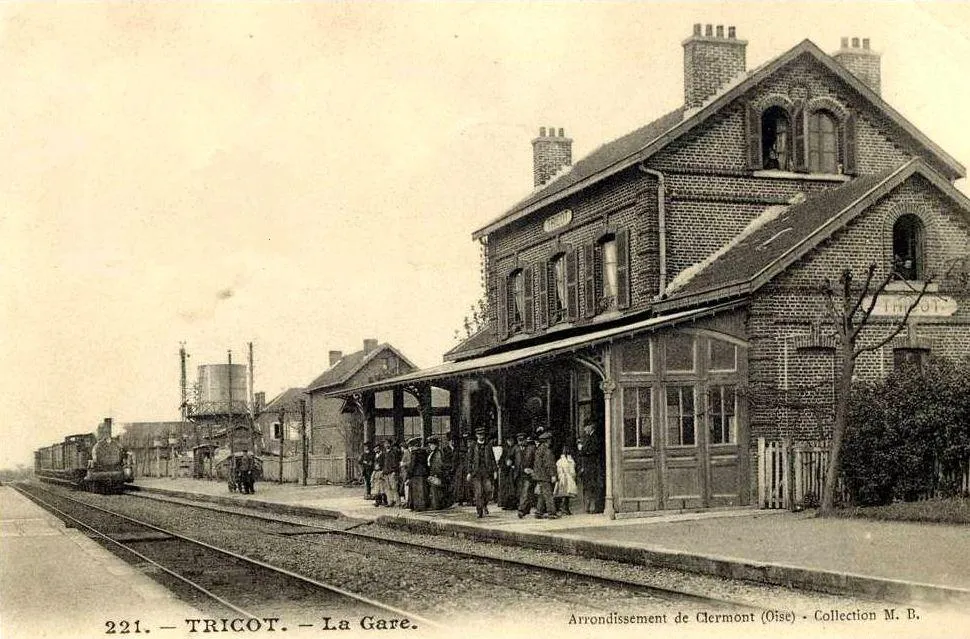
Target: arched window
[775, 139]
[823, 143]
[908, 260]
[516, 302]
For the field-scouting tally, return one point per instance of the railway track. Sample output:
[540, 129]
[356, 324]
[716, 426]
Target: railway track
[257, 594]
[365, 534]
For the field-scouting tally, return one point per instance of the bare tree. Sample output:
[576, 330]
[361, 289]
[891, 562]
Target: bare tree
[850, 311]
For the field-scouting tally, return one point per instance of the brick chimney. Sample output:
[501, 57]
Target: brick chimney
[260, 400]
[335, 357]
[369, 345]
[550, 152]
[104, 429]
[861, 61]
[711, 60]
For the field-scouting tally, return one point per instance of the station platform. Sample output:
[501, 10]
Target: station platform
[890, 561]
[56, 582]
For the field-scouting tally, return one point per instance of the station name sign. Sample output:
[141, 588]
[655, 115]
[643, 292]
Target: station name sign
[557, 221]
[895, 304]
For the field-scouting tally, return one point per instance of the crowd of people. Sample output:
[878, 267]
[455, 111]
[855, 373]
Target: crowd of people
[523, 474]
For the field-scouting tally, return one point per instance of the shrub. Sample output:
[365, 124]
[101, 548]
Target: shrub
[906, 432]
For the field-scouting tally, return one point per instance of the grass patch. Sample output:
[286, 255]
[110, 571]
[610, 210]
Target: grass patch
[954, 510]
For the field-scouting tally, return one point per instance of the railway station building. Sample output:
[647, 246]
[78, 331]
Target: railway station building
[667, 287]
[341, 421]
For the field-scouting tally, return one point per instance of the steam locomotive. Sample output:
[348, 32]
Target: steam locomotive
[87, 461]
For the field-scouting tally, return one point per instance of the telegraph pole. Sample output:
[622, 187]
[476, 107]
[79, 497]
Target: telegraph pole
[232, 443]
[306, 458]
[282, 416]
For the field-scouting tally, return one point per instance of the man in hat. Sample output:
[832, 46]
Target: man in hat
[544, 475]
[459, 487]
[417, 476]
[481, 471]
[366, 462]
[508, 490]
[526, 484]
[448, 473]
[404, 476]
[591, 468]
[436, 475]
[391, 465]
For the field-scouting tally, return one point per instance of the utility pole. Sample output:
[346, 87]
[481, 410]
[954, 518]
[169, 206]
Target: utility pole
[252, 400]
[282, 438]
[232, 442]
[306, 458]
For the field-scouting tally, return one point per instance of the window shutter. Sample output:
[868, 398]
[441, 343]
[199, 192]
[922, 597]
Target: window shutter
[798, 138]
[528, 300]
[572, 285]
[501, 306]
[849, 166]
[542, 270]
[753, 134]
[589, 280]
[623, 269]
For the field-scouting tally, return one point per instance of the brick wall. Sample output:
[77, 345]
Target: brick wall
[784, 311]
[711, 194]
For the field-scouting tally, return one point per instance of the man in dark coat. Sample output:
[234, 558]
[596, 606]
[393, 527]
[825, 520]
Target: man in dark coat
[460, 485]
[417, 476]
[544, 475]
[436, 475]
[391, 466]
[526, 485]
[447, 474]
[366, 463]
[591, 468]
[380, 498]
[481, 471]
[508, 490]
[245, 469]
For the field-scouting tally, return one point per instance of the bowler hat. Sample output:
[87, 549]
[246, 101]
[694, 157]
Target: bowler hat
[479, 431]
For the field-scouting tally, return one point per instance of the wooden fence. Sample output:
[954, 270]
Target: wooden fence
[292, 468]
[788, 472]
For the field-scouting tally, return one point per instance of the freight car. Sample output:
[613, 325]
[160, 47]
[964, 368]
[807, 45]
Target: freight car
[86, 462]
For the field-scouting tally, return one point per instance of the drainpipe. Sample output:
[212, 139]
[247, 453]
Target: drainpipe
[661, 222]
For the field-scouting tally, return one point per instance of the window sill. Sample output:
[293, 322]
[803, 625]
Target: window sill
[559, 326]
[910, 286]
[790, 175]
[607, 316]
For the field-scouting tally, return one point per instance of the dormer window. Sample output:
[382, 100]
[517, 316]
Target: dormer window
[908, 259]
[818, 138]
[775, 139]
[823, 147]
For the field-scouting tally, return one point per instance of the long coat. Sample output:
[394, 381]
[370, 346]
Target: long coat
[566, 477]
[544, 468]
[481, 461]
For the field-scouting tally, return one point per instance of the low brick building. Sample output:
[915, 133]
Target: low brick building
[341, 422]
[668, 287]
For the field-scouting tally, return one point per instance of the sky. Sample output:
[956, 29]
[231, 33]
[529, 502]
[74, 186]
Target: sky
[306, 175]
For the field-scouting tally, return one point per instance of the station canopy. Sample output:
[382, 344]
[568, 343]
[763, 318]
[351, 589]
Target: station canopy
[529, 354]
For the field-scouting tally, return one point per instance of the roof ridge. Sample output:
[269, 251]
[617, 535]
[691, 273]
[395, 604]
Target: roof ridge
[689, 118]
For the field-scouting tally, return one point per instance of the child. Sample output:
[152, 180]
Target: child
[565, 481]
